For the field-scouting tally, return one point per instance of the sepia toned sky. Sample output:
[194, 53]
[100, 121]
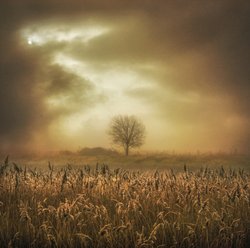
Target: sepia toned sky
[67, 67]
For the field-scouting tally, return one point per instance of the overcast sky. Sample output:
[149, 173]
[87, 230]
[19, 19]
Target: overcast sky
[67, 67]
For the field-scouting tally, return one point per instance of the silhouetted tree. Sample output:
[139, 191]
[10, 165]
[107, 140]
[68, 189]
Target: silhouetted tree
[127, 132]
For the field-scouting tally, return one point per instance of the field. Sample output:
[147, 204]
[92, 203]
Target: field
[106, 206]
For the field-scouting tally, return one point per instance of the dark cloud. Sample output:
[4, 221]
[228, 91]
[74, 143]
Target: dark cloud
[28, 79]
[21, 107]
[76, 93]
[212, 38]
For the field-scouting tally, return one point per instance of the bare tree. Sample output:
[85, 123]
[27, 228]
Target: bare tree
[127, 132]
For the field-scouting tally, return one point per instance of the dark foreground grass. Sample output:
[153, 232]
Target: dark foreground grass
[100, 207]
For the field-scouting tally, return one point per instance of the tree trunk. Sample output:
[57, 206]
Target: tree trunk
[126, 150]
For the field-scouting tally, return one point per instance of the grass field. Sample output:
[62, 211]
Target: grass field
[131, 206]
[136, 161]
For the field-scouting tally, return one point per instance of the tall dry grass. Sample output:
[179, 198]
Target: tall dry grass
[99, 207]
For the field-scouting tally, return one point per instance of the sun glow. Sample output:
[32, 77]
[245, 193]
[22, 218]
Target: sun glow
[59, 34]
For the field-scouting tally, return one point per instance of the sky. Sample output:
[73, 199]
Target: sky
[67, 67]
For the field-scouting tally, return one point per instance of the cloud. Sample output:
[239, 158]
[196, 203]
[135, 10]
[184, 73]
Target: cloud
[21, 107]
[35, 92]
[184, 63]
[67, 92]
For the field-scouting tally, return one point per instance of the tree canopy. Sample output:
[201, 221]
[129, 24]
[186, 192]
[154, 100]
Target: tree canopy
[127, 131]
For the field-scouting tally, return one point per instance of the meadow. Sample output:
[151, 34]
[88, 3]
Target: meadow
[96, 205]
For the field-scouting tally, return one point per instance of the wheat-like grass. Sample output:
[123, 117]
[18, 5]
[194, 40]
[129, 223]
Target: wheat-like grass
[100, 207]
